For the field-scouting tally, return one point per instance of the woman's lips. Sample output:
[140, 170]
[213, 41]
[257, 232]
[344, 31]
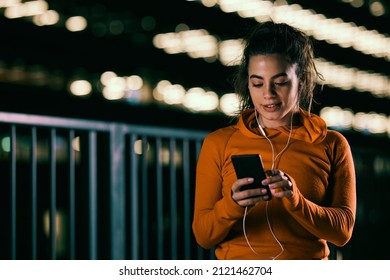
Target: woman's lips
[271, 107]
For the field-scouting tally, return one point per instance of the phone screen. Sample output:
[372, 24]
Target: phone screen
[250, 165]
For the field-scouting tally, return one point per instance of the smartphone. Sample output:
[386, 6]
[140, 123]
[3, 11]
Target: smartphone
[250, 165]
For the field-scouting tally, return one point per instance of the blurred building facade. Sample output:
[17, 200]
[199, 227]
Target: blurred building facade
[104, 105]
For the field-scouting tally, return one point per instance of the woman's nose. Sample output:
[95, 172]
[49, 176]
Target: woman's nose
[269, 90]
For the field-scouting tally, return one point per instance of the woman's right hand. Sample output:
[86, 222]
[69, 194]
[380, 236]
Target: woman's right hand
[249, 197]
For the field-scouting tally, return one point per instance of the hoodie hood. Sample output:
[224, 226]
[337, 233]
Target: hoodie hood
[312, 129]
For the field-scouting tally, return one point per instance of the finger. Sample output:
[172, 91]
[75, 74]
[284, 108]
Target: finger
[237, 185]
[274, 179]
[278, 176]
[252, 201]
[283, 193]
[281, 186]
[270, 173]
[249, 193]
[250, 197]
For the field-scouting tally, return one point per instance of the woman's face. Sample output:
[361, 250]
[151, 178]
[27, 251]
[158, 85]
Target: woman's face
[273, 86]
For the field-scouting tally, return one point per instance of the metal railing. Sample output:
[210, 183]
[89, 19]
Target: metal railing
[82, 189]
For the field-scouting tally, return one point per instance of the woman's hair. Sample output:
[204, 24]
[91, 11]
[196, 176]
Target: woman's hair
[279, 38]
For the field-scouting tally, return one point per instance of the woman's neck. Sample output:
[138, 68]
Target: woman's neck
[286, 121]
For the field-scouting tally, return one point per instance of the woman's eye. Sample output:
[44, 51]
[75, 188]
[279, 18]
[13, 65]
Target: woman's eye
[257, 85]
[281, 83]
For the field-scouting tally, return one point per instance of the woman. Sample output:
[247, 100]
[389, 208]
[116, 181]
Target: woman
[312, 182]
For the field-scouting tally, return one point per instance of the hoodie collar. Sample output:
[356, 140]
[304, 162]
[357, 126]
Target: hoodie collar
[312, 128]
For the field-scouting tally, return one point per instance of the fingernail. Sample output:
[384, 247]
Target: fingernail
[264, 182]
[250, 180]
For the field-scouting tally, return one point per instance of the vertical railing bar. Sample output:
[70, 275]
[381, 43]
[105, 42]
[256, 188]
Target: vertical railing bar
[72, 196]
[173, 202]
[117, 192]
[145, 199]
[187, 200]
[33, 160]
[13, 191]
[134, 201]
[53, 195]
[92, 174]
[160, 199]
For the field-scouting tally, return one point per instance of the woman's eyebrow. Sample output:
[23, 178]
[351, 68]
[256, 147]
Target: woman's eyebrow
[255, 76]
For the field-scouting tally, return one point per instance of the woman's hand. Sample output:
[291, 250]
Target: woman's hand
[279, 183]
[249, 197]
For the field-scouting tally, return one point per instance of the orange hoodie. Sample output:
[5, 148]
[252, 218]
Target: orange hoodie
[322, 208]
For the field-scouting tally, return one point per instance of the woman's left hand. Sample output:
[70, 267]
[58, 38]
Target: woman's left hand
[279, 183]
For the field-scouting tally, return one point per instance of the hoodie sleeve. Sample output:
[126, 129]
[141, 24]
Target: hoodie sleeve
[333, 223]
[215, 212]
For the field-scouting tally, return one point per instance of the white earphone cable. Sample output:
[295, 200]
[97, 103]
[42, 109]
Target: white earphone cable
[266, 207]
